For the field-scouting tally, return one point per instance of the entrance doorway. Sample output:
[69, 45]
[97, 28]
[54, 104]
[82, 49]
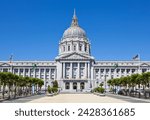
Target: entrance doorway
[75, 86]
[82, 85]
[67, 85]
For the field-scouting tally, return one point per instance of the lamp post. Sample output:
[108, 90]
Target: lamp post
[46, 86]
[97, 82]
[105, 83]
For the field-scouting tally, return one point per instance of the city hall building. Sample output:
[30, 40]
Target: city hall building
[75, 68]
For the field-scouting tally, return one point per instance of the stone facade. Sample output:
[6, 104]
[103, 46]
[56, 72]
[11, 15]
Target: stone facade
[74, 68]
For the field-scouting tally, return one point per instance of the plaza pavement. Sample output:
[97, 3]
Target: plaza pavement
[78, 98]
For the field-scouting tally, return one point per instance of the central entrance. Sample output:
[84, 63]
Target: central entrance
[75, 85]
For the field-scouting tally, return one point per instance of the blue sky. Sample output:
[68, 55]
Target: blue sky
[32, 29]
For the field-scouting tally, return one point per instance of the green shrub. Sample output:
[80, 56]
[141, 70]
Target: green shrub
[101, 84]
[55, 84]
[99, 90]
[49, 89]
[54, 89]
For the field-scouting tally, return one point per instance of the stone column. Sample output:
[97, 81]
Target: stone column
[78, 85]
[23, 72]
[85, 70]
[115, 73]
[55, 73]
[71, 70]
[29, 72]
[49, 73]
[78, 46]
[78, 70]
[61, 70]
[100, 74]
[83, 47]
[120, 72]
[88, 70]
[64, 70]
[71, 86]
[39, 73]
[125, 72]
[34, 73]
[44, 74]
[130, 71]
[110, 73]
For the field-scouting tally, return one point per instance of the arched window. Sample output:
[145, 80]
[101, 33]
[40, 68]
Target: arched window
[74, 47]
[82, 86]
[80, 47]
[67, 85]
[69, 48]
[75, 86]
[85, 49]
[64, 48]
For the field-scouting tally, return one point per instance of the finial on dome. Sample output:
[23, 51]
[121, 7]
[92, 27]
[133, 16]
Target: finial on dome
[74, 15]
[74, 20]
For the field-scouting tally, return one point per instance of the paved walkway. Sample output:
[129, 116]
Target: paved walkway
[77, 98]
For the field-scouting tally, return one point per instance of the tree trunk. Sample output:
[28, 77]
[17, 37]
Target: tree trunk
[9, 91]
[3, 91]
[15, 93]
[139, 91]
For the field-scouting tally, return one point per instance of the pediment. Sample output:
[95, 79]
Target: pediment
[5, 65]
[145, 64]
[75, 56]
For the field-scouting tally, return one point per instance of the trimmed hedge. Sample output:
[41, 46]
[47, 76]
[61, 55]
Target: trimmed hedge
[99, 90]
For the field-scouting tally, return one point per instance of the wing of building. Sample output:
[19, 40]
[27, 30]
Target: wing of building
[74, 68]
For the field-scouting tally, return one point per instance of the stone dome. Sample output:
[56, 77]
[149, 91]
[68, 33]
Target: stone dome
[74, 31]
[74, 39]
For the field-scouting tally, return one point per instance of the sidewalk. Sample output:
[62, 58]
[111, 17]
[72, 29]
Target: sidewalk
[129, 98]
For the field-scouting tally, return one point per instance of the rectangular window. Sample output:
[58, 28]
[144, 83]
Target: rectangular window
[26, 70]
[82, 65]
[102, 70]
[74, 65]
[67, 65]
[47, 70]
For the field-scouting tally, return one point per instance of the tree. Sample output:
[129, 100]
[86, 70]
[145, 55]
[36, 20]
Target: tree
[3, 77]
[133, 80]
[138, 82]
[55, 84]
[49, 89]
[124, 83]
[40, 84]
[146, 79]
[16, 84]
[10, 81]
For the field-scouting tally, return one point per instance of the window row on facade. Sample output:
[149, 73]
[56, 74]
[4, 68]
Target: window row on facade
[115, 73]
[75, 47]
[28, 72]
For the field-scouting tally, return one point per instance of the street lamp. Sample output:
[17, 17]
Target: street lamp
[46, 85]
[97, 82]
[105, 83]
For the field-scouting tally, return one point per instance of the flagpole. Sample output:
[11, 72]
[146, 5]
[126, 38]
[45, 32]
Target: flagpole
[139, 64]
[11, 62]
